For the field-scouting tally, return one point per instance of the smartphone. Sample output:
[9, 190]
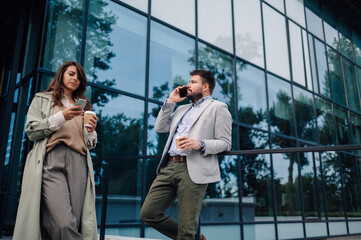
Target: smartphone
[183, 92]
[81, 103]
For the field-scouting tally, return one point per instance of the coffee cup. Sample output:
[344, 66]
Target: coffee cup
[177, 140]
[87, 116]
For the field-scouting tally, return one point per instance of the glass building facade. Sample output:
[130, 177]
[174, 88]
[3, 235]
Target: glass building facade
[289, 71]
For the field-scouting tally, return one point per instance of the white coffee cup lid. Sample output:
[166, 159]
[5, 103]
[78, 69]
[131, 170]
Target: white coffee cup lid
[90, 112]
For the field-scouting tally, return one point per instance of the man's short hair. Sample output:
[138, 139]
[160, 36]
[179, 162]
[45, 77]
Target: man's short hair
[207, 77]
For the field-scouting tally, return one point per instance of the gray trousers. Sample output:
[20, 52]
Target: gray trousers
[63, 187]
[173, 181]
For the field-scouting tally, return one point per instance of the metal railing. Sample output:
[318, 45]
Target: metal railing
[338, 148]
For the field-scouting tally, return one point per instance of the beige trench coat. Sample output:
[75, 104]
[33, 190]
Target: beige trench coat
[27, 224]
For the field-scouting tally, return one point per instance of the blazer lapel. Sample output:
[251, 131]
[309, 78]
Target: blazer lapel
[201, 109]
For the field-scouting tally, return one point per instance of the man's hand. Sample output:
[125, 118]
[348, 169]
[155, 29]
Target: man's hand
[189, 143]
[174, 96]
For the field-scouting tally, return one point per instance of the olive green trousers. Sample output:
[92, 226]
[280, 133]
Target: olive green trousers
[173, 181]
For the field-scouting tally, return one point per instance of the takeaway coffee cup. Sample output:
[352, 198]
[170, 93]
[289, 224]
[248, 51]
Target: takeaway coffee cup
[177, 139]
[87, 116]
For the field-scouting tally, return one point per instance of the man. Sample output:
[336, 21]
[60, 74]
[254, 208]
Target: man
[205, 127]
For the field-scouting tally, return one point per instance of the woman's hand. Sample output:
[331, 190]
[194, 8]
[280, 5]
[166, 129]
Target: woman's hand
[71, 112]
[93, 122]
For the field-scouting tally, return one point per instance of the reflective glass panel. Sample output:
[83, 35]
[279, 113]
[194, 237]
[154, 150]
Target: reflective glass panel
[180, 14]
[322, 68]
[290, 231]
[116, 47]
[63, 33]
[330, 25]
[248, 31]
[341, 125]
[275, 42]
[320, 185]
[215, 232]
[337, 84]
[351, 85]
[295, 10]
[333, 186]
[305, 117]
[222, 197]
[355, 128]
[306, 51]
[345, 41]
[309, 187]
[359, 77]
[316, 229]
[252, 101]
[120, 122]
[253, 139]
[216, 29]
[171, 61]
[313, 64]
[298, 69]
[313, 16]
[350, 186]
[140, 4]
[221, 65]
[156, 141]
[326, 129]
[286, 181]
[257, 188]
[280, 106]
[259, 231]
[357, 47]
[278, 4]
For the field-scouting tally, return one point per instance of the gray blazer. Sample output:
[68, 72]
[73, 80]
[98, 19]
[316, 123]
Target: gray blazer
[212, 123]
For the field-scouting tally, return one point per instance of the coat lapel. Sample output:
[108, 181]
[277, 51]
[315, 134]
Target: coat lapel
[201, 109]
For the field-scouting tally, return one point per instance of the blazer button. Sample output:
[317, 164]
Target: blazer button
[38, 161]
[31, 127]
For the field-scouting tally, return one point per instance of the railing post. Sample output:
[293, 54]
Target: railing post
[104, 201]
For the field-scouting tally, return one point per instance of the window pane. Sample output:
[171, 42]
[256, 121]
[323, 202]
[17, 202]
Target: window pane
[140, 4]
[298, 70]
[295, 10]
[248, 31]
[307, 52]
[330, 24]
[221, 65]
[341, 125]
[257, 186]
[322, 69]
[313, 64]
[222, 197]
[356, 129]
[156, 141]
[252, 139]
[314, 21]
[351, 85]
[286, 180]
[332, 181]
[345, 41]
[309, 187]
[252, 102]
[276, 42]
[171, 60]
[120, 122]
[116, 47]
[277, 4]
[320, 185]
[280, 106]
[180, 14]
[259, 231]
[305, 118]
[349, 173]
[290, 231]
[64, 30]
[357, 47]
[216, 29]
[326, 129]
[337, 84]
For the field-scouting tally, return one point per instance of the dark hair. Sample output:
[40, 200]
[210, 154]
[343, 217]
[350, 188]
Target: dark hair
[57, 88]
[207, 77]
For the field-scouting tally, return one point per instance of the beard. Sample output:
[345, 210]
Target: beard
[194, 97]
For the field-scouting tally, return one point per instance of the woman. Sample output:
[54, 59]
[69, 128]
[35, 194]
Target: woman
[58, 195]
